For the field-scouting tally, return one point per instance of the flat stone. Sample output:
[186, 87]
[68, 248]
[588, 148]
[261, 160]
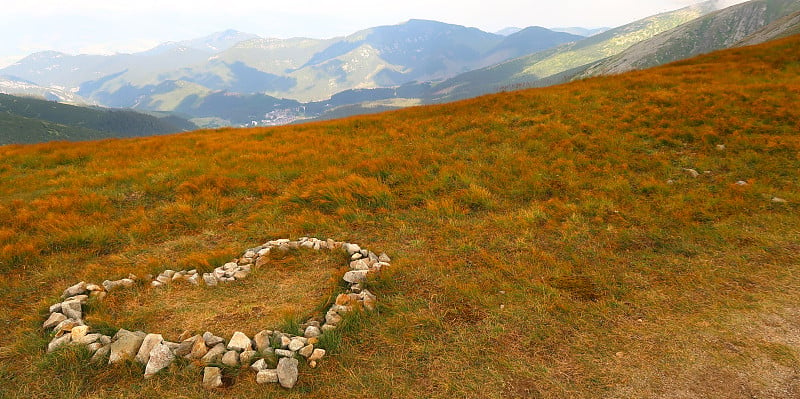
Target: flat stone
[212, 377]
[55, 308]
[89, 339]
[285, 341]
[355, 276]
[240, 342]
[59, 341]
[231, 358]
[150, 342]
[287, 372]
[214, 354]
[295, 345]
[212, 340]
[312, 332]
[384, 258]
[159, 357]
[125, 347]
[283, 353]
[267, 376]
[359, 264]
[262, 339]
[76, 289]
[778, 200]
[209, 279]
[72, 309]
[691, 172]
[54, 319]
[259, 365]
[66, 326]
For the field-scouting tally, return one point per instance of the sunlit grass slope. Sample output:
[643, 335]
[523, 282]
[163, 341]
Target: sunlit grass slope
[545, 243]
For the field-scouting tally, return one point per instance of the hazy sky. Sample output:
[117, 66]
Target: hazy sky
[108, 26]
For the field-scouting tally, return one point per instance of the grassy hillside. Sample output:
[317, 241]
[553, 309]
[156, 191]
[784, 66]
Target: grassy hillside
[31, 120]
[15, 129]
[545, 243]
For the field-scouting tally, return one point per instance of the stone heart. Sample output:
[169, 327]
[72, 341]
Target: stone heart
[66, 319]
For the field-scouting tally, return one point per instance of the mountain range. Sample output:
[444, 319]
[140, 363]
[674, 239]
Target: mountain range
[235, 78]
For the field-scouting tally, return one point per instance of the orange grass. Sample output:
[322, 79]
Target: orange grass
[546, 243]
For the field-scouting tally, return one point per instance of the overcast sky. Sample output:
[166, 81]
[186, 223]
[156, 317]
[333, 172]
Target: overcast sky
[108, 26]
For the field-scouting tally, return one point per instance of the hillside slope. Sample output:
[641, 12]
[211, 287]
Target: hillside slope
[525, 71]
[31, 120]
[715, 31]
[627, 236]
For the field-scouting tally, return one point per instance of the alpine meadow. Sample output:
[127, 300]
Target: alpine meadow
[627, 236]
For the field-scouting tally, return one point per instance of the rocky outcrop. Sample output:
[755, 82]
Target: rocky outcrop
[66, 320]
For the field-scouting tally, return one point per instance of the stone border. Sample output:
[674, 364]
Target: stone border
[66, 320]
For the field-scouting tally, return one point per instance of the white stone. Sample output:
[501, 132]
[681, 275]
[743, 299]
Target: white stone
[159, 357]
[150, 341]
[355, 276]
[267, 376]
[54, 319]
[239, 342]
[287, 372]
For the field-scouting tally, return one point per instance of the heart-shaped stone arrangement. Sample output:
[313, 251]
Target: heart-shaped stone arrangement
[66, 320]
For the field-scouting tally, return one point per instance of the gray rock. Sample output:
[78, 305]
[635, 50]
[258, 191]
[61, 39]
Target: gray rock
[351, 248]
[359, 264]
[76, 289]
[89, 339]
[691, 172]
[295, 345]
[185, 347]
[127, 282]
[355, 276]
[105, 339]
[312, 332]
[778, 200]
[285, 341]
[267, 376]
[212, 340]
[125, 347]
[53, 320]
[59, 341]
[240, 342]
[328, 327]
[384, 258]
[283, 353]
[259, 365]
[159, 357]
[210, 279]
[741, 183]
[287, 372]
[212, 377]
[214, 354]
[72, 309]
[55, 308]
[230, 358]
[150, 341]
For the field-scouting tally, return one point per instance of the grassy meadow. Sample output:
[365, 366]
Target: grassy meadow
[546, 243]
